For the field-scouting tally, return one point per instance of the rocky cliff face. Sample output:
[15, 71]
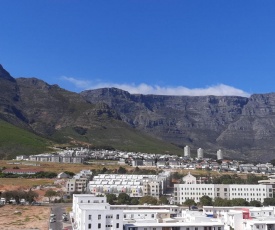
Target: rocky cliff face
[10, 109]
[241, 126]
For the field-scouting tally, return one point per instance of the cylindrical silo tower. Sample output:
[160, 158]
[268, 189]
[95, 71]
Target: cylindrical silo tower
[200, 153]
[187, 151]
[219, 154]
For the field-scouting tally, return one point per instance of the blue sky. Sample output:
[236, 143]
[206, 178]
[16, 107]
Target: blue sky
[184, 47]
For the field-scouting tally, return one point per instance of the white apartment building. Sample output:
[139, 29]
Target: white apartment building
[90, 212]
[79, 182]
[133, 185]
[249, 192]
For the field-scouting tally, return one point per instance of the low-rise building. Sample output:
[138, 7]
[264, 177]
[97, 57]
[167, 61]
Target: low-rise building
[90, 212]
[249, 192]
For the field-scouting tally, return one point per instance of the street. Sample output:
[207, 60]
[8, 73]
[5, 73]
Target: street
[58, 210]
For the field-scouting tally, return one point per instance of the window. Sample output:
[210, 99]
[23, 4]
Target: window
[117, 216]
[89, 226]
[90, 217]
[117, 225]
[99, 217]
[99, 225]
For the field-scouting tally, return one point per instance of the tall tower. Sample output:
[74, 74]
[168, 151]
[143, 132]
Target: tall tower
[219, 155]
[200, 153]
[187, 151]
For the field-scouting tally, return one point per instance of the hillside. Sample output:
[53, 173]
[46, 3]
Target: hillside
[242, 127]
[15, 141]
[67, 118]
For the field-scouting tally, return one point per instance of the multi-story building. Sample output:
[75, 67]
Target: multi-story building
[249, 192]
[79, 183]
[187, 151]
[90, 212]
[133, 185]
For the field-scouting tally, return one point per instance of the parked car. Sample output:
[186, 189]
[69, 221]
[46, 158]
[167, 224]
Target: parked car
[52, 220]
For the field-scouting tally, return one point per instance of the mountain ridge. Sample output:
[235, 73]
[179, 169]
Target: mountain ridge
[242, 127]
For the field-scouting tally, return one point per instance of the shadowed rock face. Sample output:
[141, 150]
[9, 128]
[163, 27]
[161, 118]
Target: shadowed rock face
[243, 127]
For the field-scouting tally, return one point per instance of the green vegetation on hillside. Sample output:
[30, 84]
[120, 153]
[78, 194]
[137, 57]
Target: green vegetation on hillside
[15, 141]
[121, 137]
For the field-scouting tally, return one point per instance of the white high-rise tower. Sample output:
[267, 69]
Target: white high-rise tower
[187, 151]
[200, 153]
[219, 154]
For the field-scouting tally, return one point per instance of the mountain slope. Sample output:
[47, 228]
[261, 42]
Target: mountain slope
[65, 117]
[243, 127]
[15, 141]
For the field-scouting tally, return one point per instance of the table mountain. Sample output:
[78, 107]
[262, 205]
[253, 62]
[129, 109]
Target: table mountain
[242, 127]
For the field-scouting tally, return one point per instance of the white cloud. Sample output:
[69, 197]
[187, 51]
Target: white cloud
[217, 90]
[82, 84]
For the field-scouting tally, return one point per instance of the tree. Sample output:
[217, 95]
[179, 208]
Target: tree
[255, 203]
[206, 201]
[269, 201]
[71, 174]
[104, 170]
[221, 202]
[134, 201]
[163, 200]
[111, 198]
[189, 203]
[31, 195]
[121, 170]
[239, 202]
[148, 200]
[123, 198]
[177, 176]
[50, 193]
